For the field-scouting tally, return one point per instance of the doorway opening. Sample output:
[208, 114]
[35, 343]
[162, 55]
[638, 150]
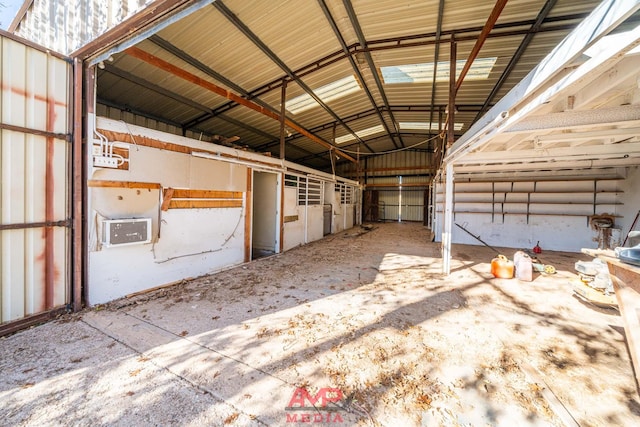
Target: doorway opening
[265, 214]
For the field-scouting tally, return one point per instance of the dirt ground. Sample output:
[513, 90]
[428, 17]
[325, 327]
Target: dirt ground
[362, 319]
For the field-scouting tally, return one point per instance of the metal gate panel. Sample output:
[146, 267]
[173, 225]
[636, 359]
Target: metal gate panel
[34, 180]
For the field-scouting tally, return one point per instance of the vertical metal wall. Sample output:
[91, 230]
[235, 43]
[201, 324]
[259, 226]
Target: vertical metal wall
[77, 22]
[34, 180]
[382, 173]
[413, 198]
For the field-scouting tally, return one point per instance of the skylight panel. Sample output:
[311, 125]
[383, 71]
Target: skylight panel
[425, 126]
[361, 133]
[423, 73]
[326, 93]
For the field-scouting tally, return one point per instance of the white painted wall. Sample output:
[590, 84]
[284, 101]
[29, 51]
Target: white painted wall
[293, 231]
[338, 212]
[314, 223]
[348, 213]
[308, 227]
[187, 242]
[555, 232]
[191, 242]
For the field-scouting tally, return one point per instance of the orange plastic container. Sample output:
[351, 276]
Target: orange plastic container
[501, 267]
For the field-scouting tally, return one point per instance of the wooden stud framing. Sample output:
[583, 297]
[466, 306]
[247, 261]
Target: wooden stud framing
[123, 184]
[199, 204]
[179, 193]
[166, 198]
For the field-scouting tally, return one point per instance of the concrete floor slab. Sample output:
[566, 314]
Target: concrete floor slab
[364, 316]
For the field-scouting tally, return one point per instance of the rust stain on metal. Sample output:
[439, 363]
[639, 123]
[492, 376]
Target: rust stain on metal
[27, 95]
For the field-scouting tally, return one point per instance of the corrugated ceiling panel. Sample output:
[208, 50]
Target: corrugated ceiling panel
[294, 18]
[300, 35]
[227, 50]
[382, 19]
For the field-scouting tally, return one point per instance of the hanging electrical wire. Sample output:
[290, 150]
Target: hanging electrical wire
[392, 151]
[440, 135]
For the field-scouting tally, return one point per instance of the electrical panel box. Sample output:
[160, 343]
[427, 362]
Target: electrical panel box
[120, 232]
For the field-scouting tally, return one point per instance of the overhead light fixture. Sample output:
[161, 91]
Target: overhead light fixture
[426, 126]
[359, 134]
[423, 73]
[326, 93]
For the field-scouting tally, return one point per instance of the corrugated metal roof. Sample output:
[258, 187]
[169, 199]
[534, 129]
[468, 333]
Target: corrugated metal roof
[257, 45]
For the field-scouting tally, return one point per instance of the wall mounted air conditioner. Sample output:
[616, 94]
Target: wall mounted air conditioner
[130, 231]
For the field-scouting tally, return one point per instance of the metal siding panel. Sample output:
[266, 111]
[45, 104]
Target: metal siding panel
[61, 291]
[35, 96]
[58, 93]
[390, 200]
[65, 25]
[61, 186]
[33, 169]
[13, 99]
[412, 203]
[12, 275]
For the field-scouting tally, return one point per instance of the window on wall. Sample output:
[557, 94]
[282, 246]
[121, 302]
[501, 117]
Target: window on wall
[346, 194]
[314, 192]
[290, 181]
[310, 191]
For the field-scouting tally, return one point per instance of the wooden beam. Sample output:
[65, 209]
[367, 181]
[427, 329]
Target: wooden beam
[123, 184]
[185, 75]
[166, 199]
[179, 193]
[204, 204]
